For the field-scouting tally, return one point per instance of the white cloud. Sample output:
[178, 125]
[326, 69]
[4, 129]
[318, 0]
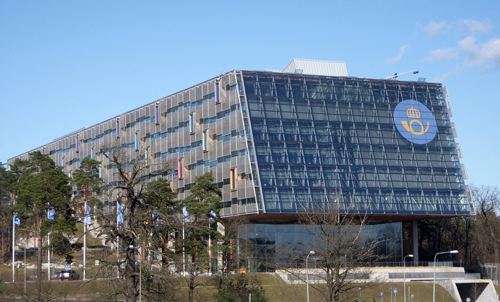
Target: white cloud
[442, 55]
[395, 60]
[474, 53]
[469, 45]
[464, 26]
[485, 54]
[474, 26]
[434, 28]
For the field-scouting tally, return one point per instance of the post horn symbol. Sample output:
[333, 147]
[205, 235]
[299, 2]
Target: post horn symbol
[414, 114]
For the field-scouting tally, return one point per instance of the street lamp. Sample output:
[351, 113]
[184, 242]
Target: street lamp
[434, 286]
[404, 274]
[307, 272]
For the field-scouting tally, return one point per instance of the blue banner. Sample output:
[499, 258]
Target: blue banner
[88, 219]
[52, 214]
[119, 210]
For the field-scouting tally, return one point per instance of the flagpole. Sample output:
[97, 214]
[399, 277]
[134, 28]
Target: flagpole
[183, 249]
[13, 245]
[209, 251]
[84, 242]
[48, 248]
[84, 230]
[183, 245]
[48, 257]
[117, 239]
[50, 215]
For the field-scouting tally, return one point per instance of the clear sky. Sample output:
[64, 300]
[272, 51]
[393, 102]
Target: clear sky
[65, 65]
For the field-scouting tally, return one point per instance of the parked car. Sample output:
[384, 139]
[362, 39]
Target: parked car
[69, 274]
[29, 252]
[56, 275]
[34, 276]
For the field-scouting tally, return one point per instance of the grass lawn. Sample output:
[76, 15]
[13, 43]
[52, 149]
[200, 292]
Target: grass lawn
[276, 290]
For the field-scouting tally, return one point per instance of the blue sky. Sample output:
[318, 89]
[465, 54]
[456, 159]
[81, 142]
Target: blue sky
[65, 65]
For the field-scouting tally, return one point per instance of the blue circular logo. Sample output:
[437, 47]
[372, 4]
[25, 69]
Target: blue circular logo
[415, 122]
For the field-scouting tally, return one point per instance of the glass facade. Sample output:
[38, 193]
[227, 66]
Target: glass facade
[322, 139]
[263, 247]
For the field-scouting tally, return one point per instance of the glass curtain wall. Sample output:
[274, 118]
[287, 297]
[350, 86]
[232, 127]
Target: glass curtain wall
[267, 247]
[325, 139]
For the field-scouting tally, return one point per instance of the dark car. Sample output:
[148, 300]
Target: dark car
[28, 252]
[69, 274]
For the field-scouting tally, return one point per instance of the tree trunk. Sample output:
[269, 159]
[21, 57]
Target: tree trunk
[192, 276]
[131, 291]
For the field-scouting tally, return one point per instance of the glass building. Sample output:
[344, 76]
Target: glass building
[279, 142]
[318, 138]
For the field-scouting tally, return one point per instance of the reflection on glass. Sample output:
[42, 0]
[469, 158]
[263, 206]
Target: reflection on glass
[339, 134]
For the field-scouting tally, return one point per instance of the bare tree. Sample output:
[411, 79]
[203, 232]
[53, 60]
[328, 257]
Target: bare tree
[487, 222]
[229, 247]
[342, 250]
[148, 205]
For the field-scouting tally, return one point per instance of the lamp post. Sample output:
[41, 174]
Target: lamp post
[307, 272]
[404, 274]
[434, 286]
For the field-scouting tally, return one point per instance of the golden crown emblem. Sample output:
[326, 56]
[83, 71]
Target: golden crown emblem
[413, 113]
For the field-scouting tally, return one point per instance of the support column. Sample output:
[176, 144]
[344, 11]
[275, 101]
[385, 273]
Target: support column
[414, 239]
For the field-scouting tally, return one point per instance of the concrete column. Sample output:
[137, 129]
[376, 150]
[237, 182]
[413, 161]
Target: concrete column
[414, 239]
